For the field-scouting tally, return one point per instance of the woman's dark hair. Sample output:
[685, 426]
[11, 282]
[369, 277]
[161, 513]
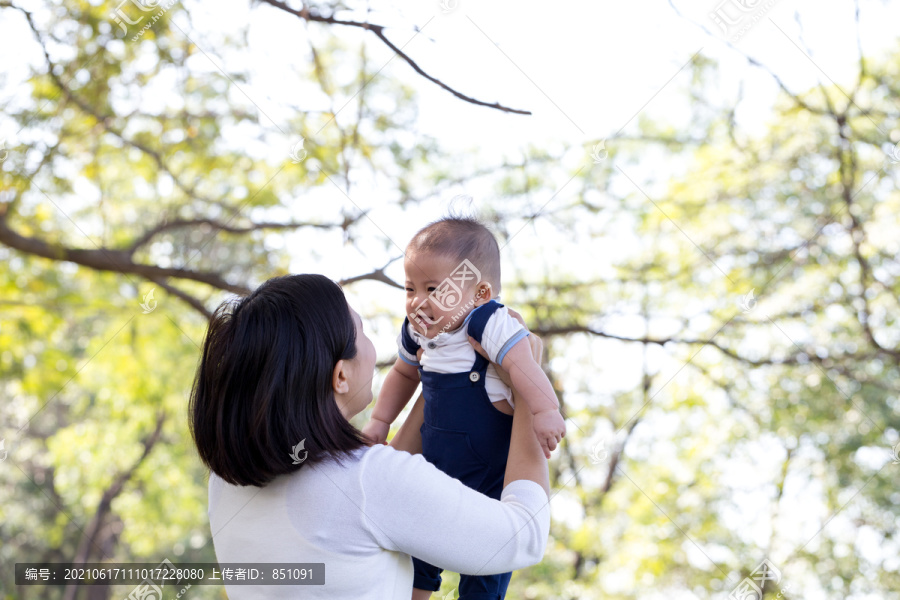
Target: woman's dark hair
[264, 383]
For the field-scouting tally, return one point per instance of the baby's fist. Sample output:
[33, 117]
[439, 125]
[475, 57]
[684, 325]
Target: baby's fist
[550, 428]
[376, 431]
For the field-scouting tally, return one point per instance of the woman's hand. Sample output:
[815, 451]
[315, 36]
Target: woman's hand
[537, 347]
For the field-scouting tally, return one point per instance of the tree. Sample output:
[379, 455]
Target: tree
[753, 296]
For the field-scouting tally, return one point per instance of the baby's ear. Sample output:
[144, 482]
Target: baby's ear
[483, 293]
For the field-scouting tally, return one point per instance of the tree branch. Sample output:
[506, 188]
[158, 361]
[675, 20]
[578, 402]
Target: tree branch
[195, 303]
[104, 506]
[117, 261]
[104, 120]
[213, 224]
[751, 61]
[376, 275]
[793, 359]
[378, 30]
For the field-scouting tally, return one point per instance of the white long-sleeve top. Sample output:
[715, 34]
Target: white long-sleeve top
[366, 518]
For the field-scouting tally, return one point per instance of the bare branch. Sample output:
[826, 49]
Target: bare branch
[378, 30]
[195, 303]
[376, 275]
[103, 259]
[793, 359]
[213, 224]
[105, 120]
[104, 506]
[751, 61]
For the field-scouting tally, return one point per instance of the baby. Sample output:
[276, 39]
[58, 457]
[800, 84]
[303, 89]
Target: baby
[452, 278]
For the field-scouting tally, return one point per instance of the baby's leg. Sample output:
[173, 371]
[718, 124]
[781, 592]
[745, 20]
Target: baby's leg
[483, 586]
[425, 576]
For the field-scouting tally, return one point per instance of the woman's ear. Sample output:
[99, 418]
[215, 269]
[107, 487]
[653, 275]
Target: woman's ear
[339, 378]
[483, 293]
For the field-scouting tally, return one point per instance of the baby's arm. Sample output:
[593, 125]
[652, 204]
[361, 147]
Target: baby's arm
[408, 438]
[534, 388]
[398, 388]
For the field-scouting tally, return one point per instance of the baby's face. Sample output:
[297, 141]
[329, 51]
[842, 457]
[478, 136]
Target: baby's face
[434, 302]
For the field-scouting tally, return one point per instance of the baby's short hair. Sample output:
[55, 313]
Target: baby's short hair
[462, 238]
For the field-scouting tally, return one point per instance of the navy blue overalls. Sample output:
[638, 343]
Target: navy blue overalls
[467, 438]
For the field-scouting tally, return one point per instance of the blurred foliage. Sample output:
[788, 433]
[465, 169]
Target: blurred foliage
[752, 293]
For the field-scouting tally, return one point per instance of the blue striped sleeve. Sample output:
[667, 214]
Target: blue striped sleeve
[404, 354]
[521, 334]
[407, 361]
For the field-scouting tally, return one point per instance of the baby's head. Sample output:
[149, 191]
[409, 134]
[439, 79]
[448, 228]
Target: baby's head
[452, 266]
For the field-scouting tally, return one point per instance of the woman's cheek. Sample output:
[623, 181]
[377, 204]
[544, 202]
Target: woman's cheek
[372, 355]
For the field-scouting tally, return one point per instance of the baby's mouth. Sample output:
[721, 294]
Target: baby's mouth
[425, 317]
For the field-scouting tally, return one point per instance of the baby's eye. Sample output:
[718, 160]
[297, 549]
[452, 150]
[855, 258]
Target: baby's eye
[409, 289]
[431, 289]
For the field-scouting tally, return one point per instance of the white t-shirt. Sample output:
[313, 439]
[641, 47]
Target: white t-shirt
[364, 520]
[451, 352]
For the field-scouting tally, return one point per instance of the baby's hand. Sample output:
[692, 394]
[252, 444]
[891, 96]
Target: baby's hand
[377, 431]
[550, 428]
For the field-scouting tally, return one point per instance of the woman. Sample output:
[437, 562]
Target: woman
[283, 371]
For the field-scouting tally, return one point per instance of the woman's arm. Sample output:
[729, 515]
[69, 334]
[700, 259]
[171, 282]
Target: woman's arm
[410, 506]
[414, 508]
[526, 457]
